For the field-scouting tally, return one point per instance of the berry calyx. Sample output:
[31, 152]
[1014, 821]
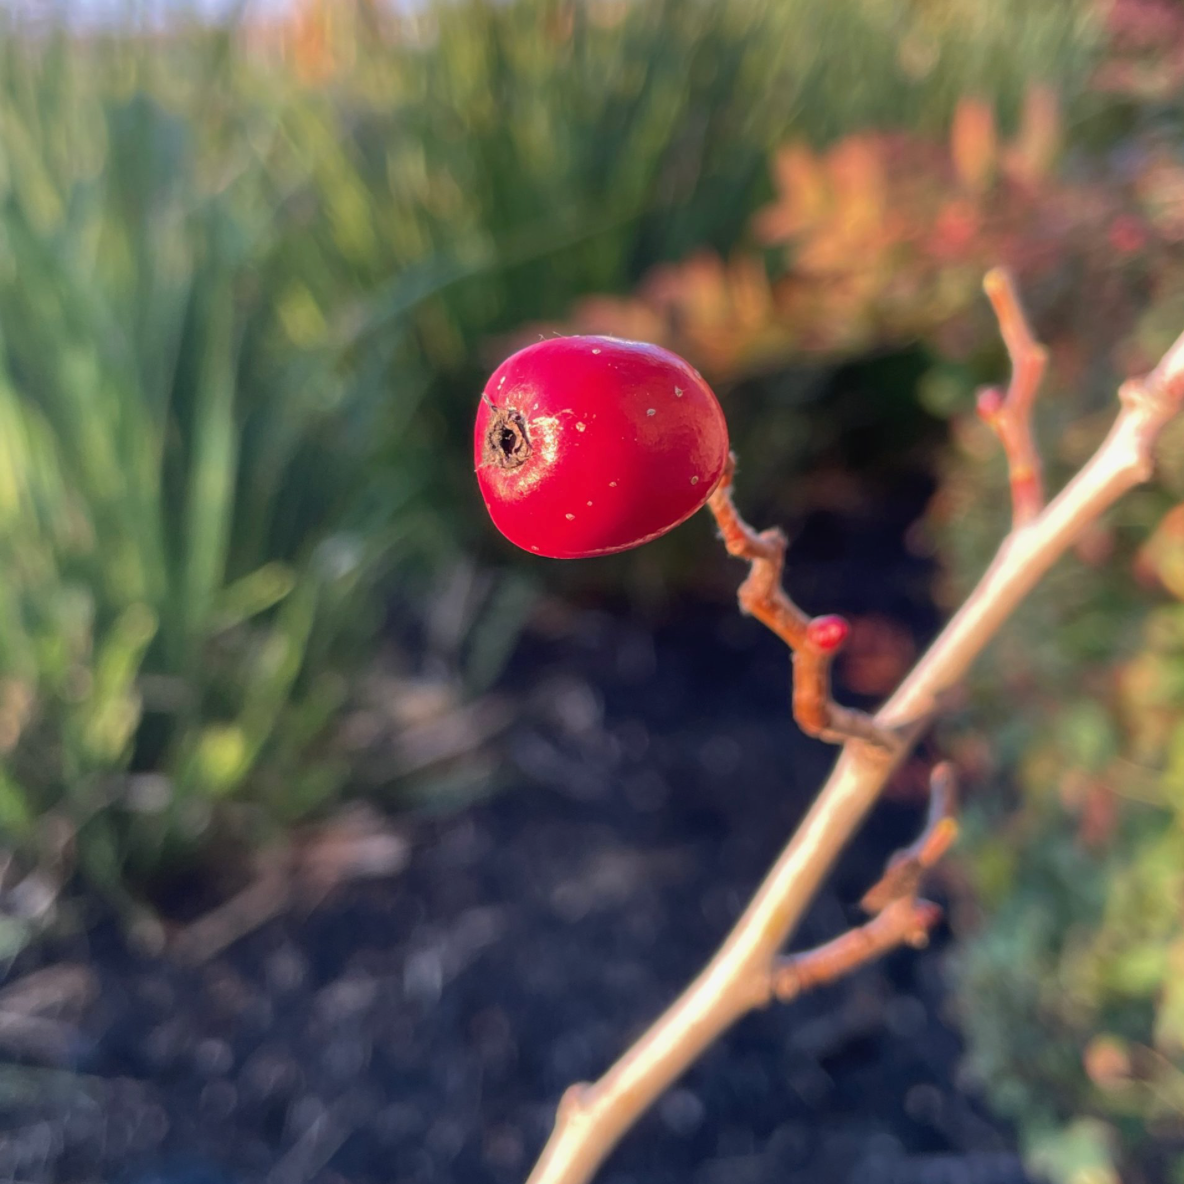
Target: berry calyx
[590, 445]
[827, 633]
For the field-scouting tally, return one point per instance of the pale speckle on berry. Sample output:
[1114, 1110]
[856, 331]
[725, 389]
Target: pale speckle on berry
[589, 503]
[596, 351]
[580, 427]
[570, 517]
[612, 485]
[678, 392]
[694, 480]
[652, 411]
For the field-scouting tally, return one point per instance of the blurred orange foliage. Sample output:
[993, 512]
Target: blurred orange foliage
[317, 37]
[884, 237]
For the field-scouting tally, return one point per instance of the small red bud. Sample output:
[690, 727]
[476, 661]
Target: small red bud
[990, 403]
[827, 633]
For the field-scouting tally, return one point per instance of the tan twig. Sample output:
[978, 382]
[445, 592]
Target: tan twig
[1010, 414]
[900, 917]
[592, 1118]
[904, 922]
[902, 877]
[815, 642]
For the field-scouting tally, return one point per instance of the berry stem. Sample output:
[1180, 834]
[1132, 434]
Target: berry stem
[814, 642]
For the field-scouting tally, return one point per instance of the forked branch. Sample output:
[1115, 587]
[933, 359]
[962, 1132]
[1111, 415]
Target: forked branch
[900, 916]
[592, 1118]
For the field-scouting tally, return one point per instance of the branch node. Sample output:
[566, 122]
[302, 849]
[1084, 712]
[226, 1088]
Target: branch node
[573, 1102]
[1132, 392]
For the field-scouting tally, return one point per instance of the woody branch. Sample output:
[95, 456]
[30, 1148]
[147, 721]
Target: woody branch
[593, 1117]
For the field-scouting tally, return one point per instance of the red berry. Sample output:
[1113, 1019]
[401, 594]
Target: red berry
[590, 445]
[827, 633]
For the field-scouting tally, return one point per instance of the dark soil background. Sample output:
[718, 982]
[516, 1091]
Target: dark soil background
[420, 1029]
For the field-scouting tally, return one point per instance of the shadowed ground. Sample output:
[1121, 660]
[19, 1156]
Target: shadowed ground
[420, 1029]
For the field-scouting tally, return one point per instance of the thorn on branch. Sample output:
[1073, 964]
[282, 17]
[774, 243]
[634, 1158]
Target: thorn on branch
[900, 917]
[1010, 413]
[814, 641]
